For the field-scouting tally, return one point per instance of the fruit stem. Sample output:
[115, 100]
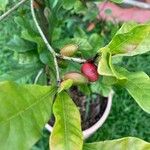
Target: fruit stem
[78, 60]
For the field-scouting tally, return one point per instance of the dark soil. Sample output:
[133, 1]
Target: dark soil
[91, 107]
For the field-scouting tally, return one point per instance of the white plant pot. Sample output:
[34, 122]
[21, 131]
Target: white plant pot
[88, 132]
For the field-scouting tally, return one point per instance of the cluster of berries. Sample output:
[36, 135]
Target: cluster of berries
[88, 69]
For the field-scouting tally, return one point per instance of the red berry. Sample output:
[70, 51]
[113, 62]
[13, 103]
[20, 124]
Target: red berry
[90, 71]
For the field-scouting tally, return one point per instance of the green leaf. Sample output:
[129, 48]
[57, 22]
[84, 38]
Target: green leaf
[96, 41]
[85, 88]
[68, 4]
[22, 74]
[101, 88]
[103, 66]
[34, 38]
[24, 110]
[128, 143]
[117, 1]
[44, 55]
[26, 23]
[79, 8]
[19, 45]
[3, 4]
[67, 133]
[126, 27]
[134, 42]
[138, 85]
[29, 57]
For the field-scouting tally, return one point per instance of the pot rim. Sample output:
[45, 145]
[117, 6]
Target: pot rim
[88, 132]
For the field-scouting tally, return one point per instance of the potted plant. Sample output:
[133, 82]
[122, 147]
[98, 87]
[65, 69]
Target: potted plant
[70, 67]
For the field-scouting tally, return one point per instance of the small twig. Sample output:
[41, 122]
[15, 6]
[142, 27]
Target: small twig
[137, 4]
[38, 75]
[46, 42]
[12, 9]
[78, 60]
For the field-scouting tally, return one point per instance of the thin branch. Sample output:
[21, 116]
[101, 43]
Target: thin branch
[12, 9]
[78, 60]
[38, 75]
[50, 48]
[137, 4]
[46, 42]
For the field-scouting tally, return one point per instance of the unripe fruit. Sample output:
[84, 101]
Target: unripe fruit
[77, 78]
[90, 71]
[69, 50]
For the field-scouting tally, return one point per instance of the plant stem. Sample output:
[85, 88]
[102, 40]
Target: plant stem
[12, 9]
[38, 75]
[78, 60]
[47, 43]
[55, 55]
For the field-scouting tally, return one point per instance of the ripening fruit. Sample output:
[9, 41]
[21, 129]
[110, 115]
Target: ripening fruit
[69, 50]
[90, 71]
[77, 78]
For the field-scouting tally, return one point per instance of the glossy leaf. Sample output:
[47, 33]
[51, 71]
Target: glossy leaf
[21, 74]
[103, 66]
[96, 42]
[100, 88]
[26, 58]
[67, 133]
[24, 110]
[138, 85]
[44, 55]
[128, 143]
[117, 1]
[126, 27]
[130, 43]
[34, 38]
[68, 4]
[19, 45]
